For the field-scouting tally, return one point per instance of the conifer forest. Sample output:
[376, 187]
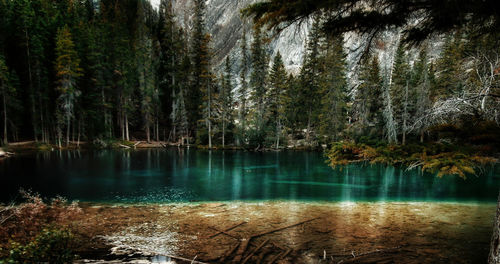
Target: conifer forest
[242, 131]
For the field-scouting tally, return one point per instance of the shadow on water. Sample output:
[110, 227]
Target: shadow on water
[180, 175]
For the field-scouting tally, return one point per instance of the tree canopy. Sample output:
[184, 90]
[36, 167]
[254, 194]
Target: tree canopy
[419, 19]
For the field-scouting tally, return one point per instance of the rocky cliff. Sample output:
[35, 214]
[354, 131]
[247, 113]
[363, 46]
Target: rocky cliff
[224, 23]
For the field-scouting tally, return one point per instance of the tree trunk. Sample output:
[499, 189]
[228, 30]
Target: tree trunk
[278, 128]
[67, 131]
[148, 133]
[157, 130]
[209, 117]
[308, 127]
[223, 132]
[79, 131]
[5, 139]
[494, 257]
[127, 137]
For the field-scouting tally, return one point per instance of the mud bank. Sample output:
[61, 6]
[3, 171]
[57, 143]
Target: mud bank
[335, 232]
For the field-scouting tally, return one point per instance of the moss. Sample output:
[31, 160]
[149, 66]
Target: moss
[439, 158]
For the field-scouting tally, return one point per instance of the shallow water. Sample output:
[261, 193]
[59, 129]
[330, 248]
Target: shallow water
[173, 175]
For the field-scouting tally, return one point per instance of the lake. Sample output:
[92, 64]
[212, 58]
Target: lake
[180, 175]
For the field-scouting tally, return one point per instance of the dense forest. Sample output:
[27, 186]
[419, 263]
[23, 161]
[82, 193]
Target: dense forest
[84, 70]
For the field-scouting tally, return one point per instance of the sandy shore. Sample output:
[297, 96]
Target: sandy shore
[337, 232]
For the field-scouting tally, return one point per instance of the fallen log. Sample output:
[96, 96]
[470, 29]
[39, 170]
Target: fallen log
[262, 255]
[241, 249]
[124, 146]
[359, 257]
[275, 258]
[286, 253]
[255, 251]
[225, 230]
[193, 261]
[284, 227]
[230, 252]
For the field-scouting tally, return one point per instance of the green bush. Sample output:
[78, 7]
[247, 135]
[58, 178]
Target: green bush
[50, 245]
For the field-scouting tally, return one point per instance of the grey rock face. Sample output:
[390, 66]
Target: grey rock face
[224, 23]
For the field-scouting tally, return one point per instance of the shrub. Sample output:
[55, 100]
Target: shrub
[442, 159]
[23, 222]
[51, 245]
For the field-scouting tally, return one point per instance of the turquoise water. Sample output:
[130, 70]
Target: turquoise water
[173, 175]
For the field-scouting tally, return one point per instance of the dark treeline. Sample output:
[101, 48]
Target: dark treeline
[85, 70]
[119, 69]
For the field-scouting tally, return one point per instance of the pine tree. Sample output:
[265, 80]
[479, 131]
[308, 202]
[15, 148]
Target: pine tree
[258, 84]
[5, 90]
[208, 89]
[67, 71]
[333, 90]
[226, 100]
[200, 61]
[278, 98]
[310, 78]
[449, 66]
[421, 80]
[243, 92]
[401, 92]
[172, 53]
[145, 70]
[369, 99]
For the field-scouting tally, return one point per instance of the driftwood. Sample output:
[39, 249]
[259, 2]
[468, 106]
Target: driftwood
[241, 249]
[275, 258]
[286, 253]
[243, 246]
[285, 227]
[124, 146]
[225, 230]
[357, 258]
[262, 255]
[255, 250]
[230, 252]
[193, 261]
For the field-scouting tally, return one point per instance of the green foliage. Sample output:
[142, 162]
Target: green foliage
[278, 100]
[435, 158]
[50, 245]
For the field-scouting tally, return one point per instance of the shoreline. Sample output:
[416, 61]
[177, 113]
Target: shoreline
[398, 232]
[419, 232]
[297, 202]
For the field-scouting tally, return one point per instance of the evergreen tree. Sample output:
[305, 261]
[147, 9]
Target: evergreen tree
[145, 70]
[243, 92]
[421, 80]
[200, 61]
[278, 98]
[226, 100]
[449, 66]
[369, 99]
[208, 91]
[401, 92]
[333, 90]
[310, 76]
[67, 71]
[258, 83]
[5, 90]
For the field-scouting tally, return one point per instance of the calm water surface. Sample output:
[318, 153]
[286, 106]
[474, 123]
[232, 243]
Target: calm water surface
[170, 175]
